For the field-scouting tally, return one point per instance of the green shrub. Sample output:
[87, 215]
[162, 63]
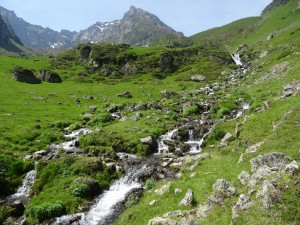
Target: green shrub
[190, 111]
[222, 112]
[80, 189]
[149, 184]
[216, 135]
[46, 211]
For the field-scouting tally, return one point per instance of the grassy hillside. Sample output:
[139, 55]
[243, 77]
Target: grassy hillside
[94, 75]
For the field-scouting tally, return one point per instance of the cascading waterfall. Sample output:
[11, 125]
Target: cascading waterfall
[70, 145]
[236, 58]
[162, 147]
[103, 209]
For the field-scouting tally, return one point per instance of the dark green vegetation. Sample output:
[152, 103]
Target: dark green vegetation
[32, 116]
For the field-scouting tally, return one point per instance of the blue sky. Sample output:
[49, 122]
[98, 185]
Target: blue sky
[187, 16]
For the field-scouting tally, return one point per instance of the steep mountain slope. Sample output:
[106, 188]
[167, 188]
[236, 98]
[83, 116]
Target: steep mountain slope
[277, 18]
[137, 27]
[8, 39]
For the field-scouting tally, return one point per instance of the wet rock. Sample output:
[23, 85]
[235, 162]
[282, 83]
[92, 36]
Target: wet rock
[94, 187]
[127, 94]
[188, 199]
[198, 78]
[48, 76]
[25, 75]
[244, 177]
[165, 188]
[151, 142]
[272, 160]
[18, 208]
[185, 147]
[243, 204]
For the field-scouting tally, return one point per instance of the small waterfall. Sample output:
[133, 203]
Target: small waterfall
[103, 209]
[162, 147]
[236, 58]
[70, 145]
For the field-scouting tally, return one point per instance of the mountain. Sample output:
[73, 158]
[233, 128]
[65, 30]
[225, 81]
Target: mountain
[279, 17]
[8, 39]
[137, 27]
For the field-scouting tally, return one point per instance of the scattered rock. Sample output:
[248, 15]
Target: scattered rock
[198, 78]
[87, 116]
[188, 199]
[243, 204]
[177, 191]
[127, 94]
[48, 76]
[254, 148]
[222, 189]
[162, 221]
[270, 36]
[151, 142]
[226, 139]
[167, 94]
[25, 75]
[163, 189]
[244, 177]
[93, 108]
[272, 160]
[292, 168]
[291, 89]
[153, 202]
[88, 97]
[269, 194]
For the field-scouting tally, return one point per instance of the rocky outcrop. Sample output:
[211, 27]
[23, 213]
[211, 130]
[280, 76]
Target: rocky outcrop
[198, 78]
[291, 89]
[48, 76]
[25, 75]
[274, 4]
[188, 199]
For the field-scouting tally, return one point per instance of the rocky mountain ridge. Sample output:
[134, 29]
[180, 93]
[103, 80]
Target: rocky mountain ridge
[137, 27]
[7, 36]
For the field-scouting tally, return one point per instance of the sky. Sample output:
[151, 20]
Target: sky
[187, 16]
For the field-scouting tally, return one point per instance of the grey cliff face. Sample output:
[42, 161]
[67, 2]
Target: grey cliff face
[7, 35]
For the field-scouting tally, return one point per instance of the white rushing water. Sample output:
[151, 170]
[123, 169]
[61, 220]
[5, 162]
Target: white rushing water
[70, 145]
[195, 145]
[105, 204]
[236, 58]
[24, 190]
[162, 147]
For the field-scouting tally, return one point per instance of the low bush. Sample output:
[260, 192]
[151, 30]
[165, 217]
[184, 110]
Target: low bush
[46, 211]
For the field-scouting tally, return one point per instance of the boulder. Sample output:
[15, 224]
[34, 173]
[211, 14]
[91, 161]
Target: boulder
[152, 202]
[272, 160]
[163, 189]
[162, 221]
[254, 148]
[243, 204]
[92, 108]
[226, 139]
[244, 177]
[25, 75]
[94, 187]
[48, 76]
[198, 78]
[222, 189]
[151, 142]
[166, 63]
[18, 209]
[270, 36]
[167, 94]
[269, 194]
[292, 168]
[177, 191]
[188, 199]
[126, 94]
[291, 89]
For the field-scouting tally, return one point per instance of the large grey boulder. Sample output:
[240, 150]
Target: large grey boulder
[48, 76]
[25, 75]
[273, 160]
